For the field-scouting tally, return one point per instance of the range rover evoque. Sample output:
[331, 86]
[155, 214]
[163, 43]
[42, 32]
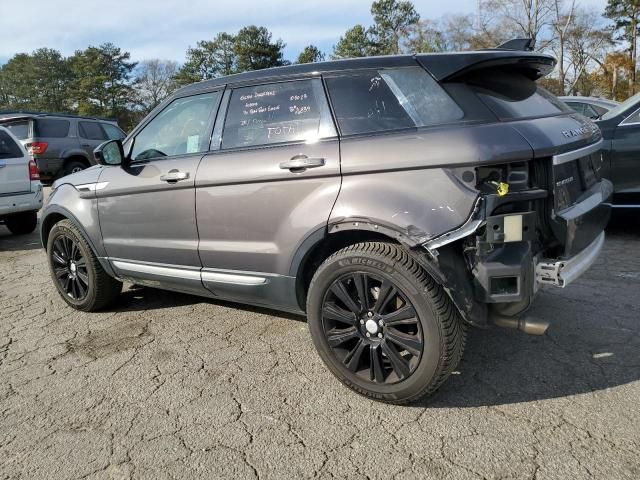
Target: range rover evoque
[393, 200]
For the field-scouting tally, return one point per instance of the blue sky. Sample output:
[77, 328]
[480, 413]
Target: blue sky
[165, 28]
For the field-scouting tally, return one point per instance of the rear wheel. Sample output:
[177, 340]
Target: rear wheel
[382, 325]
[76, 272]
[74, 166]
[22, 223]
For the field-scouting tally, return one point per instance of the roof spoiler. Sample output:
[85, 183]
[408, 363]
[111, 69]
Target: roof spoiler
[450, 67]
[522, 44]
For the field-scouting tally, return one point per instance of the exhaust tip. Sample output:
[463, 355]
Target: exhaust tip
[528, 325]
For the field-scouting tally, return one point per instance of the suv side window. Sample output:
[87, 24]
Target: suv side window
[183, 127]
[113, 132]
[389, 99]
[49, 128]
[277, 113]
[8, 148]
[91, 131]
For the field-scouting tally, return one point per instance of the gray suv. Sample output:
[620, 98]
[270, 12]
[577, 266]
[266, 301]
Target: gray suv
[60, 144]
[393, 200]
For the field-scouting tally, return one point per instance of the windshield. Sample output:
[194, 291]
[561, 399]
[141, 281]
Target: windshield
[622, 107]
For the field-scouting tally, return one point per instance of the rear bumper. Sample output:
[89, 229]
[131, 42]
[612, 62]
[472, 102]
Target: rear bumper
[580, 225]
[49, 167]
[22, 202]
[562, 272]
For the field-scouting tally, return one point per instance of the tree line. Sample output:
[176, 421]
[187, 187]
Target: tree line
[596, 52]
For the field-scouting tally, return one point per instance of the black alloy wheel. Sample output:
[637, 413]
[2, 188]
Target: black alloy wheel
[381, 324]
[372, 327]
[70, 267]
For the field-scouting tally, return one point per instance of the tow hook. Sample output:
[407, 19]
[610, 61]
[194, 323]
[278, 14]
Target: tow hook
[526, 324]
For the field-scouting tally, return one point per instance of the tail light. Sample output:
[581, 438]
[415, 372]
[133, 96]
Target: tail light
[38, 148]
[34, 174]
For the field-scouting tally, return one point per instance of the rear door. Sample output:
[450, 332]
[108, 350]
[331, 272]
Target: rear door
[91, 135]
[14, 167]
[271, 183]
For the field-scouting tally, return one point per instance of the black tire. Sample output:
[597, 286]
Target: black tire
[22, 223]
[435, 323]
[85, 286]
[74, 166]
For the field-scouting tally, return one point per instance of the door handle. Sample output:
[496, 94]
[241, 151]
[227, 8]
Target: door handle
[300, 163]
[174, 176]
[3, 164]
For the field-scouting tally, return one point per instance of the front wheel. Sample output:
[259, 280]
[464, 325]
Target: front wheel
[76, 271]
[382, 325]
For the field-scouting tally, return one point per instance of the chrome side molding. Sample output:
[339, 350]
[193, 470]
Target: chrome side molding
[91, 187]
[134, 269]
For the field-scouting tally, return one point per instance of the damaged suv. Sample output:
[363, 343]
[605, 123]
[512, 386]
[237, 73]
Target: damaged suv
[393, 200]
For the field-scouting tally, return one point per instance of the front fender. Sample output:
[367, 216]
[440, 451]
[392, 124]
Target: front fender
[82, 209]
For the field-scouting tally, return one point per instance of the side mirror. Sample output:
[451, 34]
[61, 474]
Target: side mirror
[110, 152]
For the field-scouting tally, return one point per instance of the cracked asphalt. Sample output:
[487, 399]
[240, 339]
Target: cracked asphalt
[173, 386]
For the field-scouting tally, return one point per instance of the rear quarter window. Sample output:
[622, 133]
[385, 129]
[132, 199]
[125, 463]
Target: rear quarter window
[20, 130]
[511, 95]
[8, 148]
[389, 99]
[50, 128]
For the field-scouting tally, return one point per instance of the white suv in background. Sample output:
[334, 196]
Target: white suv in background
[20, 188]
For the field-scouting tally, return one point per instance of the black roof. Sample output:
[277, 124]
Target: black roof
[16, 114]
[442, 66]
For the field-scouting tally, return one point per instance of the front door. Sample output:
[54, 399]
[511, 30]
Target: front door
[271, 184]
[147, 208]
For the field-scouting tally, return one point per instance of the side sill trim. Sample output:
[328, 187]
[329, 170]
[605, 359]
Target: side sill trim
[189, 273]
[233, 278]
[173, 272]
[574, 154]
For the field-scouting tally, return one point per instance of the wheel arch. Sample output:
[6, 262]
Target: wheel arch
[324, 242]
[56, 214]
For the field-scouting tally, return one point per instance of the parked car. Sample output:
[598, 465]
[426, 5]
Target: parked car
[621, 132]
[20, 187]
[590, 107]
[60, 144]
[393, 200]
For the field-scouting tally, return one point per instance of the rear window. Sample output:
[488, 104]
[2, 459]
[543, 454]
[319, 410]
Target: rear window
[20, 130]
[511, 95]
[49, 128]
[8, 148]
[389, 99]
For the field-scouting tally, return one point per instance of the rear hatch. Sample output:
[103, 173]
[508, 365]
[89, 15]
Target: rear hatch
[566, 152]
[14, 167]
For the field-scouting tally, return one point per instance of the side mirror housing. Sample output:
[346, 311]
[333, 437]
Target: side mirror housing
[110, 152]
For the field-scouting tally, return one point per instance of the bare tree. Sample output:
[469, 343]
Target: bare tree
[588, 41]
[155, 82]
[562, 21]
[526, 18]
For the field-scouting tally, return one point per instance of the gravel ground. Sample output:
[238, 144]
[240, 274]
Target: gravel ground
[172, 386]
